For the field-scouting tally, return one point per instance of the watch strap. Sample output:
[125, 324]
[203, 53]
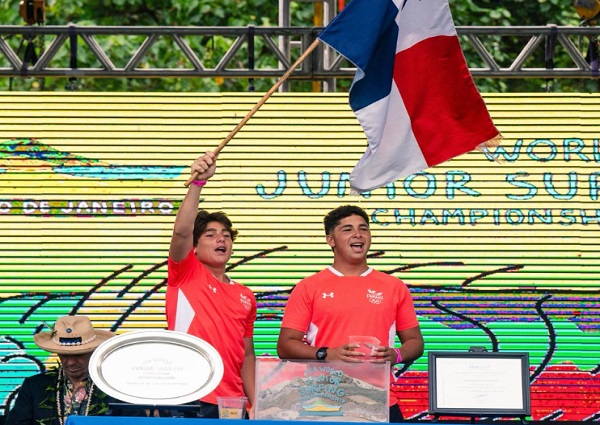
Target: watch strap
[321, 353]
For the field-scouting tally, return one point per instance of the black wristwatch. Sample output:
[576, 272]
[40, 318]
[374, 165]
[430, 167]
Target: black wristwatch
[321, 353]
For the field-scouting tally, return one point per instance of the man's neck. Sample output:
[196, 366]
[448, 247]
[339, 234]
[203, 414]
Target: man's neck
[219, 273]
[77, 383]
[351, 269]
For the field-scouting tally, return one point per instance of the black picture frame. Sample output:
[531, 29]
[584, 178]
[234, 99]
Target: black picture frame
[479, 384]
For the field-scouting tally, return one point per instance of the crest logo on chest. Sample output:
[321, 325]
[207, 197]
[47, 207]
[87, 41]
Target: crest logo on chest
[374, 297]
[246, 302]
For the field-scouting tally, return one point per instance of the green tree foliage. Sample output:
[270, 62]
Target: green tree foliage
[243, 13]
[505, 49]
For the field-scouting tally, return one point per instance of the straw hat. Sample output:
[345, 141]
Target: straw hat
[71, 335]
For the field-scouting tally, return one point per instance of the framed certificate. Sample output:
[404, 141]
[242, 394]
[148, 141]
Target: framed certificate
[479, 384]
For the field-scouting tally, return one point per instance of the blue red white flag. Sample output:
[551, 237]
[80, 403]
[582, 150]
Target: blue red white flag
[412, 93]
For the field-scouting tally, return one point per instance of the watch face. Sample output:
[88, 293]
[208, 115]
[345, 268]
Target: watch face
[321, 353]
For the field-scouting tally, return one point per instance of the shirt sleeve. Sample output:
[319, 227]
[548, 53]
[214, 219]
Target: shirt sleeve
[249, 331]
[298, 310]
[22, 411]
[178, 272]
[406, 317]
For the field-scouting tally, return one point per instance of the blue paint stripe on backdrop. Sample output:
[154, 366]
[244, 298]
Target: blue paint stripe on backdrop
[122, 173]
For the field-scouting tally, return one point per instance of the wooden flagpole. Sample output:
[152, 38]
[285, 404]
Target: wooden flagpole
[259, 104]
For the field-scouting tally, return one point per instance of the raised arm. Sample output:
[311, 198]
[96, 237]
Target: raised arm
[183, 230]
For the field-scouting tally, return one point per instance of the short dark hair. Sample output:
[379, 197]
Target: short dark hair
[334, 216]
[204, 217]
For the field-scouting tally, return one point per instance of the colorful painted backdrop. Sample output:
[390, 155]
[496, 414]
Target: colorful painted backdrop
[500, 250]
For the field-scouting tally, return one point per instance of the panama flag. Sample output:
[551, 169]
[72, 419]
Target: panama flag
[412, 93]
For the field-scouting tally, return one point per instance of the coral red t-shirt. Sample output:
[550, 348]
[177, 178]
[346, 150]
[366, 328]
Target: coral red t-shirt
[329, 307]
[222, 314]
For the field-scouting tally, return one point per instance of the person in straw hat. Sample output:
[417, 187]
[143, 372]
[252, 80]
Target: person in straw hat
[48, 398]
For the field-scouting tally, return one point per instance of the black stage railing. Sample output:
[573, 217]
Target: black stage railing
[257, 52]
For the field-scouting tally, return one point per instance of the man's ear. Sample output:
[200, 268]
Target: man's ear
[330, 241]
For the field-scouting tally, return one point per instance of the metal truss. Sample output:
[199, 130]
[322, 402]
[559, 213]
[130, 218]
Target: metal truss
[258, 52]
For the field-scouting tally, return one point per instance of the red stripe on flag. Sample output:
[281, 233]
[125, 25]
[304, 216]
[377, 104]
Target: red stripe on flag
[448, 116]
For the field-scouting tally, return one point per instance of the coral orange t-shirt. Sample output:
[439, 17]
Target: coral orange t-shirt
[222, 314]
[329, 307]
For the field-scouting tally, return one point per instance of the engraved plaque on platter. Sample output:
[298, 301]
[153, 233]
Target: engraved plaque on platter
[156, 367]
[322, 391]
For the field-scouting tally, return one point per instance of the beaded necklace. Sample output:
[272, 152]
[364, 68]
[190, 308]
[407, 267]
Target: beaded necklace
[59, 409]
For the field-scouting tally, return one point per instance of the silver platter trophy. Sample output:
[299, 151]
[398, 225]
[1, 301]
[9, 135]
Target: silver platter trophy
[156, 367]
